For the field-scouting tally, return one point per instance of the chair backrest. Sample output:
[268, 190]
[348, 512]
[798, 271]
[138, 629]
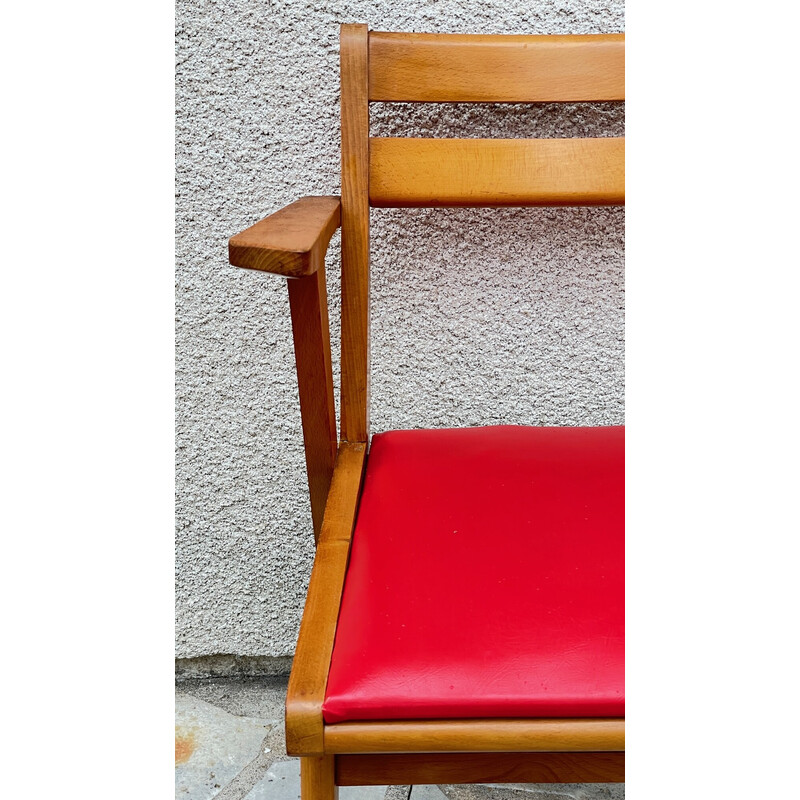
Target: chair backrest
[392, 172]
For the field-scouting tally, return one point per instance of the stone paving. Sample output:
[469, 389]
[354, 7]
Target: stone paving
[229, 745]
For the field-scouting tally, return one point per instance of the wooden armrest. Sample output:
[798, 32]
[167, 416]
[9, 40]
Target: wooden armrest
[291, 242]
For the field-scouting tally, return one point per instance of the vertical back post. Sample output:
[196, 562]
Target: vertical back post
[353, 54]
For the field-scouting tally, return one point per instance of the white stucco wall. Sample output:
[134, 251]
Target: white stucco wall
[479, 316]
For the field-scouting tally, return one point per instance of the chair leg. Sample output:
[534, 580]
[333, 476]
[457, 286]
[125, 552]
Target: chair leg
[316, 778]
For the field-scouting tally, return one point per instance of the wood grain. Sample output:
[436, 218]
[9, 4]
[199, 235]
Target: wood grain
[355, 234]
[476, 736]
[497, 172]
[425, 67]
[308, 302]
[312, 658]
[410, 172]
[403, 769]
[291, 242]
[317, 778]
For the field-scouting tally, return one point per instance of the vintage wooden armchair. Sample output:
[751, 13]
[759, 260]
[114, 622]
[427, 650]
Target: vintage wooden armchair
[464, 618]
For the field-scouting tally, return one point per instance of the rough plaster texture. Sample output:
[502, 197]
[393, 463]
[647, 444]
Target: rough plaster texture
[480, 316]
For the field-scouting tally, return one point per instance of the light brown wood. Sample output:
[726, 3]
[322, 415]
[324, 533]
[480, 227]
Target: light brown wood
[497, 172]
[355, 234]
[291, 242]
[410, 172]
[397, 769]
[430, 67]
[317, 778]
[306, 691]
[308, 302]
[476, 736]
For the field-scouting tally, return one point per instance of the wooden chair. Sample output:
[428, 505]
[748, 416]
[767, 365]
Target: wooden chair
[481, 641]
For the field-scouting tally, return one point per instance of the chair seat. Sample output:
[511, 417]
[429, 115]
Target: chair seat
[486, 578]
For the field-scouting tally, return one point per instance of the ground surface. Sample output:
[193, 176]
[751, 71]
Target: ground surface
[229, 745]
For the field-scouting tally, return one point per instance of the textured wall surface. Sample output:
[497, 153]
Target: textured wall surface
[479, 316]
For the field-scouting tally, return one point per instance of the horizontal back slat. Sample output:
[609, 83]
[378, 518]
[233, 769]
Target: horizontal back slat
[424, 67]
[496, 172]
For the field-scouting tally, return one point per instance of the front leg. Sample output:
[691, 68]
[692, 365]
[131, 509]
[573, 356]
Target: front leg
[317, 778]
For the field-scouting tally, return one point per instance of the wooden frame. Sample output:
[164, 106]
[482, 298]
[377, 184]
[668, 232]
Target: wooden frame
[496, 172]
[478, 68]
[292, 243]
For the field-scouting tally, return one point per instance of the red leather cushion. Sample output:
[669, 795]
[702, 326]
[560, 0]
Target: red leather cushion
[486, 578]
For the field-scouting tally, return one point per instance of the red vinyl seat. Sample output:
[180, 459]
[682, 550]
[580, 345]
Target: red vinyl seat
[486, 578]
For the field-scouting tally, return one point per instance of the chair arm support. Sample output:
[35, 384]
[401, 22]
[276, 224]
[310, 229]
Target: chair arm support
[291, 242]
